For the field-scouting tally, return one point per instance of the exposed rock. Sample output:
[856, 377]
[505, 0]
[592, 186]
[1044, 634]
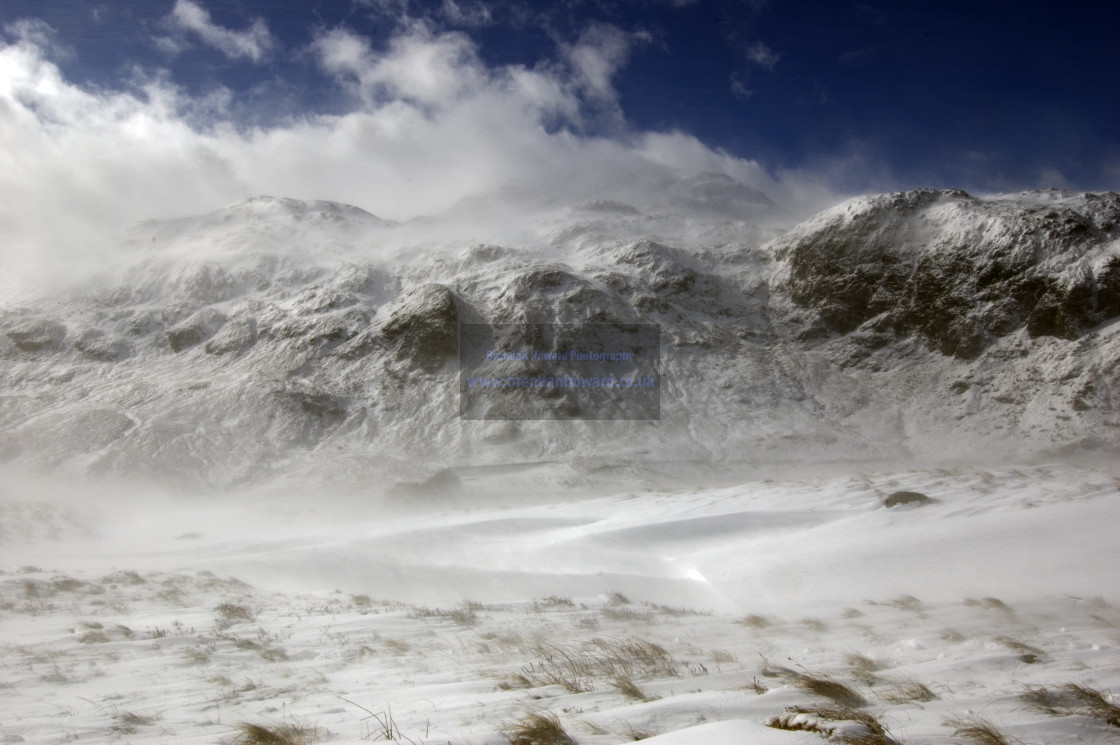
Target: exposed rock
[196, 329]
[234, 336]
[97, 345]
[37, 334]
[956, 270]
[907, 497]
[442, 483]
[422, 328]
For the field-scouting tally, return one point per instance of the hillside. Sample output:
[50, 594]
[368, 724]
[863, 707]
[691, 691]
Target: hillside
[279, 340]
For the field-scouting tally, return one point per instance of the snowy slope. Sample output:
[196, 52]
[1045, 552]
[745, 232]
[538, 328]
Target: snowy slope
[693, 616]
[278, 339]
[236, 489]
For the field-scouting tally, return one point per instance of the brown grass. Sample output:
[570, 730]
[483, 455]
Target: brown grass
[825, 721]
[905, 692]
[280, 734]
[863, 667]
[1070, 699]
[1026, 652]
[1093, 703]
[577, 669]
[537, 728]
[629, 688]
[825, 687]
[127, 722]
[755, 621]
[976, 729]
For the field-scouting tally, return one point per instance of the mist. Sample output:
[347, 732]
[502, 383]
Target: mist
[428, 125]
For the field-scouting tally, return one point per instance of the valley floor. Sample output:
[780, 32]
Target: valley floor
[768, 612]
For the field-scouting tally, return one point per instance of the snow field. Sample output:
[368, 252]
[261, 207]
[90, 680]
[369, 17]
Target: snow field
[679, 617]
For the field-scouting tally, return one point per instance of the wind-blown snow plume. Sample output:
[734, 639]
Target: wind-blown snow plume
[422, 123]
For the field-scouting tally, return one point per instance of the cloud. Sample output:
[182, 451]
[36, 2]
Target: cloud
[739, 85]
[1052, 178]
[594, 60]
[464, 13]
[255, 43]
[601, 51]
[429, 125]
[762, 55]
[421, 67]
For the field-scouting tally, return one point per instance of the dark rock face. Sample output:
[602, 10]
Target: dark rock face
[423, 327]
[97, 345]
[234, 336]
[37, 334]
[958, 271]
[907, 497]
[196, 329]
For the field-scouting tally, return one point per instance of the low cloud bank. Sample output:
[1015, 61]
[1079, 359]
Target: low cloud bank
[429, 123]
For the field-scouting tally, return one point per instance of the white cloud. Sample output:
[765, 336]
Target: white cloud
[432, 125]
[601, 51]
[762, 55]
[466, 13]
[1052, 178]
[255, 43]
[419, 66]
[739, 85]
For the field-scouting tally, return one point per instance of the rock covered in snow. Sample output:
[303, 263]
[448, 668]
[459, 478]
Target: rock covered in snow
[279, 337]
[955, 270]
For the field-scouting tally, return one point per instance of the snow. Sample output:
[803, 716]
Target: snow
[453, 622]
[226, 498]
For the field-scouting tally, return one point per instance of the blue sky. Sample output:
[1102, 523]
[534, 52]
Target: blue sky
[120, 110]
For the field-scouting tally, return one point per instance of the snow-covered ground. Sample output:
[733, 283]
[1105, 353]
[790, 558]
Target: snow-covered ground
[264, 508]
[681, 616]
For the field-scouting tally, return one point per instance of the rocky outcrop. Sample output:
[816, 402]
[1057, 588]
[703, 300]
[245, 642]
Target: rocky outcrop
[927, 323]
[196, 329]
[37, 334]
[235, 336]
[422, 328]
[97, 345]
[955, 270]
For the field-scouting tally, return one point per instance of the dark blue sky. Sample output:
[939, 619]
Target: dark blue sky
[985, 96]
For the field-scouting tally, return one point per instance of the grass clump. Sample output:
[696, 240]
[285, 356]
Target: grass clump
[128, 723]
[1093, 703]
[825, 687]
[1026, 652]
[1071, 699]
[755, 621]
[629, 688]
[863, 667]
[905, 692]
[557, 601]
[976, 729]
[840, 724]
[630, 615]
[906, 602]
[227, 614]
[577, 669]
[280, 734]
[537, 728]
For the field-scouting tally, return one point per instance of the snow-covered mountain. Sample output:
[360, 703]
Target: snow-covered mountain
[386, 560]
[279, 340]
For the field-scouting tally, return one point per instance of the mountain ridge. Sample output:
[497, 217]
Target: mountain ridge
[302, 347]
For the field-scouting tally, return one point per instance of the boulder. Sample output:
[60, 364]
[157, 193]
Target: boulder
[907, 497]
